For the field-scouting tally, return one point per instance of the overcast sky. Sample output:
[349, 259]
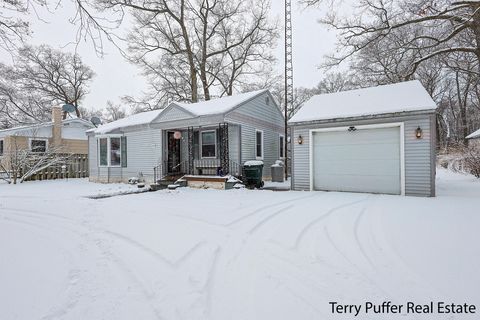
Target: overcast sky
[115, 77]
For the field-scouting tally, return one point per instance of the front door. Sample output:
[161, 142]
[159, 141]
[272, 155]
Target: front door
[173, 153]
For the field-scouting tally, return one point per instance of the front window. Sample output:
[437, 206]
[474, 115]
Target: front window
[103, 146]
[115, 152]
[38, 145]
[209, 140]
[259, 144]
[1, 147]
[110, 151]
[281, 146]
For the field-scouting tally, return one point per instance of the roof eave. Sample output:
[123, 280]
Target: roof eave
[363, 117]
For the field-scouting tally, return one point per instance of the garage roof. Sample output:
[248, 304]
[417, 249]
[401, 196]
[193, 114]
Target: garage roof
[392, 98]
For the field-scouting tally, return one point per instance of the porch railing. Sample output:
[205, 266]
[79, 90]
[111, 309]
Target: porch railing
[201, 167]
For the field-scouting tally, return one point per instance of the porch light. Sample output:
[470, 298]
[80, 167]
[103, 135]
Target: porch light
[177, 135]
[300, 140]
[418, 133]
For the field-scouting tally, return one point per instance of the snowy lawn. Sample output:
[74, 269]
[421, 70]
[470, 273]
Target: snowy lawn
[237, 254]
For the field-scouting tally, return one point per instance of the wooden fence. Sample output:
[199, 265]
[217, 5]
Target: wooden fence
[76, 166]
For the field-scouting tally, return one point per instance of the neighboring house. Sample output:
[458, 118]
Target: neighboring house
[67, 136]
[377, 140]
[474, 138]
[214, 137]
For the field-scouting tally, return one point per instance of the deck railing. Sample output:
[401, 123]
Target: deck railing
[201, 167]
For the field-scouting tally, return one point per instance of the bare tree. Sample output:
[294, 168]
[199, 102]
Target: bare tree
[442, 28]
[189, 48]
[19, 162]
[113, 112]
[39, 78]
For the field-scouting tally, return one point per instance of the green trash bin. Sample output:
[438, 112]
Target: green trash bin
[252, 174]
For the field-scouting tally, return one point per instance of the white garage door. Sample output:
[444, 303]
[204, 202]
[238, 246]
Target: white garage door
[364, 160]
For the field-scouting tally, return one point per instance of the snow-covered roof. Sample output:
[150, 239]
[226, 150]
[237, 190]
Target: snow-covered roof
[133, 120]
[220, 105]
[26, 128]
[474, 135]
[392, 98]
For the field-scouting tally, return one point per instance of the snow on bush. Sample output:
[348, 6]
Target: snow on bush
[463, 159]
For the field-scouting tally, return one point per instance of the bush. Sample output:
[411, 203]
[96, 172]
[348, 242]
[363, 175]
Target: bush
[471, 158]
[462, 159]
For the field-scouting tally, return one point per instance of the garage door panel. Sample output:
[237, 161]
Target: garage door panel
[366, 160]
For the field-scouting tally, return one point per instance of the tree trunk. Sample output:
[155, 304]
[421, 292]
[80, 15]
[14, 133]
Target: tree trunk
[463, 111]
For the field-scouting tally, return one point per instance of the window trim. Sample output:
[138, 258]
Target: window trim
[281, 148]
[37, 139]
[201, 143]
[109, 150]
[262, 145]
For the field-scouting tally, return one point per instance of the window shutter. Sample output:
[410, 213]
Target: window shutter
[124, 152]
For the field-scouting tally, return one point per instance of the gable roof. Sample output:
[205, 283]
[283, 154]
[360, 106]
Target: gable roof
[141, 118]
[204, 108]
[219, 105]
[20, 129]
[474, 135]
[392, 98]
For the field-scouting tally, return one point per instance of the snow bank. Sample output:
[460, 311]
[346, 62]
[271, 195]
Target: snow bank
[399, 97]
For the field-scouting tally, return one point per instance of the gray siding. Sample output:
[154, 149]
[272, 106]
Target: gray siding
[258, 115]
[143, 154]
[174, 113]
[419, 153]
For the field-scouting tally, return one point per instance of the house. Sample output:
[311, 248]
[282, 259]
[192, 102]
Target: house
[213, 137]
[474, 138]
[376, 140]
[67, 136]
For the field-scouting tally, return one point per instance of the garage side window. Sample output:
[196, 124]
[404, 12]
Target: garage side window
[259, 144]
[281, 146]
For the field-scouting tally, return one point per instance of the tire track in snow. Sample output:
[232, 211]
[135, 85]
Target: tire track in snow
[263, 221]
[266, 207]
[312, 223]
[356, 233]
[71, 289]
[398, 262]
[365, 275]
[97, 243]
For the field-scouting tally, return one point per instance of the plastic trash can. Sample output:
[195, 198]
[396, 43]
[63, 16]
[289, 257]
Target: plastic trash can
[252, 174]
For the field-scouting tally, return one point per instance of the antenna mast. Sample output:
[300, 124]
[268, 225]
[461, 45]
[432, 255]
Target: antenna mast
[288, 74]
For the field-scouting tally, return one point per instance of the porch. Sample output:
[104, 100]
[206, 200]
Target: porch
[200, 151]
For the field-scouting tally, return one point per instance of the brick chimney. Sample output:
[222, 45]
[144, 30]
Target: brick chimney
[57, 115]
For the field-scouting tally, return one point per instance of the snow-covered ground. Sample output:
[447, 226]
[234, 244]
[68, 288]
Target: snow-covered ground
[237, 254]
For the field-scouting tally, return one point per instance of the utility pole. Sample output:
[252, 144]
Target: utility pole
[288, 74]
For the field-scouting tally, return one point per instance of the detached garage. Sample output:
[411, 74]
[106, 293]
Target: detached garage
[376, 140]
